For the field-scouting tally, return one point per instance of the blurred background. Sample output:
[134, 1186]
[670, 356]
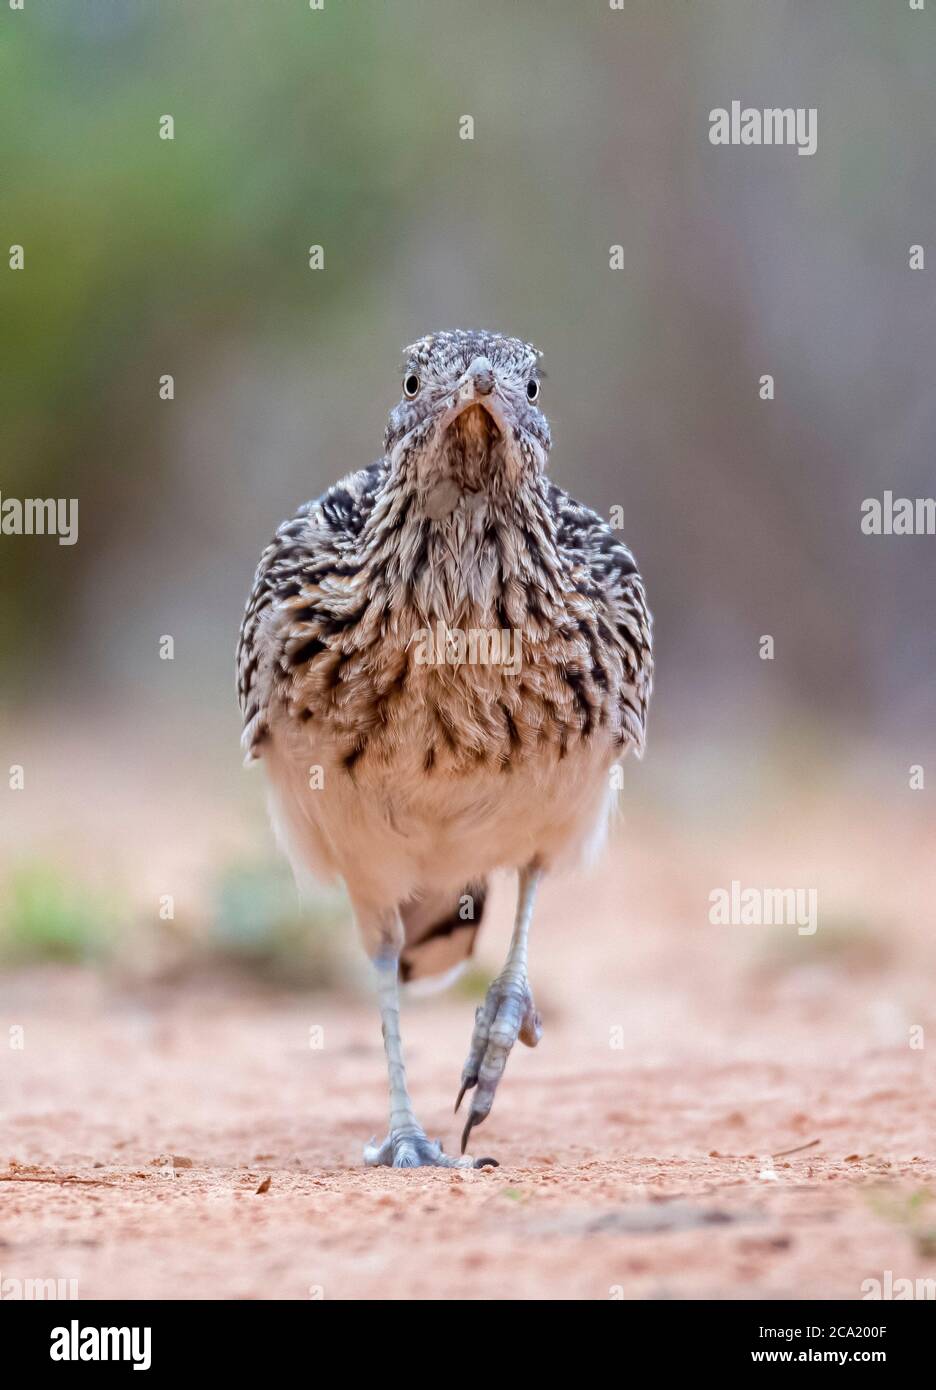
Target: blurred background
[340, 128]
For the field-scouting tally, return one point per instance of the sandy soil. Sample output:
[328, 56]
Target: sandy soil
[139, 1120]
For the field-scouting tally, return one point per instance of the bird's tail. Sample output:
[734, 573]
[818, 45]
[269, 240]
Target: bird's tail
[440, 933]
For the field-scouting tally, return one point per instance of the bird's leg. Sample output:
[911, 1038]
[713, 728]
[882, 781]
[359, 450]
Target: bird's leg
[508, 1013]
[406, 1146]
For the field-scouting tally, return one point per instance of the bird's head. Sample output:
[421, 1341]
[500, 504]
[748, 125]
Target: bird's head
[469, 413]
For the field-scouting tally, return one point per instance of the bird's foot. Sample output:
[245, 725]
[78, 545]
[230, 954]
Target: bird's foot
[508, 1013]
[408, 1147]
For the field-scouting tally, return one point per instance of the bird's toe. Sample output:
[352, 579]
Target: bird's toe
[508, 1013]
[408, 1147]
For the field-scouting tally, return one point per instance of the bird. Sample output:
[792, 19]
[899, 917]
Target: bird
[441, 663]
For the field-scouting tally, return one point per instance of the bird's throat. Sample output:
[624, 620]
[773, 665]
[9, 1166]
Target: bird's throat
[471, 449]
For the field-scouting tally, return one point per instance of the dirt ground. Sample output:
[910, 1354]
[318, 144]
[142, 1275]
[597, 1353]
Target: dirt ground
[184, 1140]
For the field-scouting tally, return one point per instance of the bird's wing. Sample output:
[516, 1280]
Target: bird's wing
[604, 571]
[296, 592]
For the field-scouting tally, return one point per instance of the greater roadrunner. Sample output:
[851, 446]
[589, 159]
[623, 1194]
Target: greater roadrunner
[440, 662]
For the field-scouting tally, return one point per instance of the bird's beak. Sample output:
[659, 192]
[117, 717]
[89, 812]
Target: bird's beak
[478, 386]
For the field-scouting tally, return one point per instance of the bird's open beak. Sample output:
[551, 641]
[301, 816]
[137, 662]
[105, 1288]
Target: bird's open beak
[478, 387]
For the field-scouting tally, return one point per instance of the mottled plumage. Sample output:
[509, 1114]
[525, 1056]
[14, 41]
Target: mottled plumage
[410, 767]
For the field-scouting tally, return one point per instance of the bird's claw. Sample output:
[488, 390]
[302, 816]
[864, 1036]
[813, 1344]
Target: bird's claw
[508, 1013]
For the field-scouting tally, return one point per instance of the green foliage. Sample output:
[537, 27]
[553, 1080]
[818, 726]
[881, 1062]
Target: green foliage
[290, 129]
[47, 915]
[853, 943]
[260, 923]
[472, 984]
[914, 1213]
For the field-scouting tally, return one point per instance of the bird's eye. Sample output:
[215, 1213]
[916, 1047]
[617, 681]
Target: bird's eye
[532, 389]
[410, 384]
